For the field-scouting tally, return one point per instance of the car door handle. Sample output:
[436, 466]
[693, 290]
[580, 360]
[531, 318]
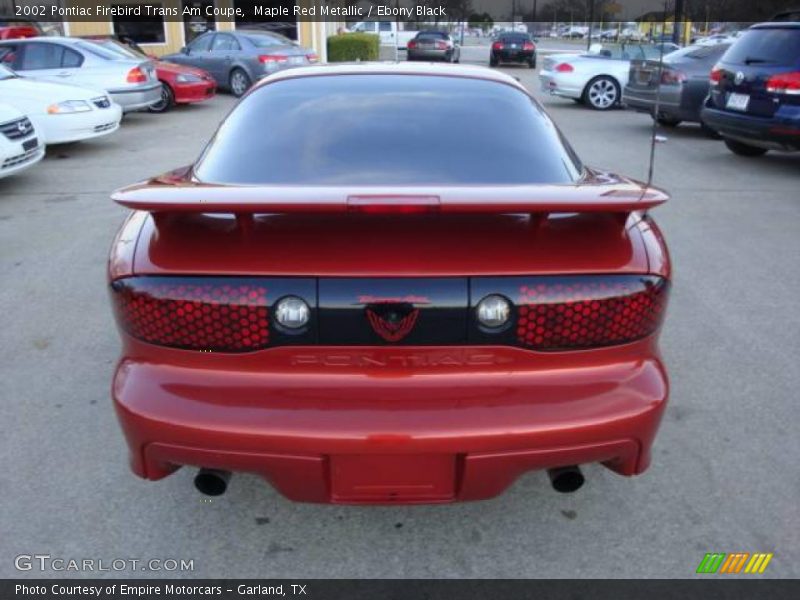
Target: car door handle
[64, 74]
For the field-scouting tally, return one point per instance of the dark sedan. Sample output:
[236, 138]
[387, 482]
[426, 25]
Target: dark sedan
[755, 91]
[513, 48]
[433, 45]
[682, 86]
[237, 59]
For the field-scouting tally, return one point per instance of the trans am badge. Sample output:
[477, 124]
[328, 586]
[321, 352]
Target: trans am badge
[392, 321]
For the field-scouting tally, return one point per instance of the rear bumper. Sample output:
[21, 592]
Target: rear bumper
[565, 85]
[417, 54]
[781, 132]
[514, 56]
[670, 103]
[137, 98]
[359, 425]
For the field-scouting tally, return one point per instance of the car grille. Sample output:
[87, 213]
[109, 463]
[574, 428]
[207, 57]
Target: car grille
[19, 159]
[101, 102]
[104, 127]
[18, 129]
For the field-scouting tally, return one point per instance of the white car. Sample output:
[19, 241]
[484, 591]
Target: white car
[596, 78]
[61, 113]
[130, 82]
[20, 147]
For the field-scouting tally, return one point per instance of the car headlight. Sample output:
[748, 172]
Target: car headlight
[68, 106]
[188, 78]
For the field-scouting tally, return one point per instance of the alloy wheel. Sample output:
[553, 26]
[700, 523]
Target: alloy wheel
[603, 94]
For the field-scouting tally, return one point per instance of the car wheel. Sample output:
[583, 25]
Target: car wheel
[744, 149]
[458, 57]
[532, 63]
[602, 93]
[710, 133]
[668, 121]
[492, 62]
[167, 100]
[239, 82]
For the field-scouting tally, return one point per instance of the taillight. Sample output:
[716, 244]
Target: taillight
[498, 46]
[562, 313]
[136, 75]
[784, 83]
[564, 68]
[210, 314]
[715, 76]
[312, 57]
[411, 44]
[441, 45]
[671, 76]
[265, 59]
[528, 46]
[387, 205]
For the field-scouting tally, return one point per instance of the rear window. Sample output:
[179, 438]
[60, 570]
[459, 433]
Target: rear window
[387, 130]
[515, 37]
[432, 34]
[766, 46]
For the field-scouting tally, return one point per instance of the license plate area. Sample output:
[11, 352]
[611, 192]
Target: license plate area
[389, 478]
[738, 102]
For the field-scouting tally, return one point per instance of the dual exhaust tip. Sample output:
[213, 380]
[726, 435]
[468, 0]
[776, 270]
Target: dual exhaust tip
[214, 482]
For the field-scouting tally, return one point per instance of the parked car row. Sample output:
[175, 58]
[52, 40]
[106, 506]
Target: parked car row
[744, 89]
[57, 90]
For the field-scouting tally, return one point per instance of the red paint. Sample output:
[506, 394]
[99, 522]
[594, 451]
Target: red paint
[393, 423]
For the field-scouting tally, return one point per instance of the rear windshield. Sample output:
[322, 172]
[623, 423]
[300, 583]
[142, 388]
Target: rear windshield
[264, 40]
[387, 130]
[515, 37]
[766, 46]
[697, 53]
[432, 34]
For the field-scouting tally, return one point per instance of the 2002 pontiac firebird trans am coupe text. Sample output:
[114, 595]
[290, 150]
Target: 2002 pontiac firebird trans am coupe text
[389, 284]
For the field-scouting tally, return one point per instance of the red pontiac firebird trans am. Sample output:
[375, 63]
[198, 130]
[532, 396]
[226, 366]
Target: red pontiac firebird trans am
[389, 284]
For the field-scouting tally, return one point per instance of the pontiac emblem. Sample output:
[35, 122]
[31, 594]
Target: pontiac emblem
[392, 321]
[23, 127]
[739, 78]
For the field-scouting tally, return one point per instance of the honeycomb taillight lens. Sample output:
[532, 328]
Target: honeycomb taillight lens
[207, 314]
[588, 311]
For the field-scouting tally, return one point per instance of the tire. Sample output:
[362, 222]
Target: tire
[167, 100]
[710, 133]
[668, 121]
[532, 63]
[492, 62]
[602, 93]
[744, 149]
[239, 82]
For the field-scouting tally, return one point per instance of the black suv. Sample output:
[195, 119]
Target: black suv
[754, 101]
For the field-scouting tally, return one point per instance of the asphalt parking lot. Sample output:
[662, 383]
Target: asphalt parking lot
[724, 476]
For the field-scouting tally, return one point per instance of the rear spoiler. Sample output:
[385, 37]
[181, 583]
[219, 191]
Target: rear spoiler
[600, 193]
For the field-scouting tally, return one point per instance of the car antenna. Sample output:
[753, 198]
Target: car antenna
[654, 137]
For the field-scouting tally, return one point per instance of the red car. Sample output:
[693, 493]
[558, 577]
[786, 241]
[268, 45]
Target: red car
[179, 84]
[13, 28]
[389, 284]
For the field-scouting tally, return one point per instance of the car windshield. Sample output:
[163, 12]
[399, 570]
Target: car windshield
[387, 130]
[6, 73]
[772, 46]
[697, 53]
[432, 35]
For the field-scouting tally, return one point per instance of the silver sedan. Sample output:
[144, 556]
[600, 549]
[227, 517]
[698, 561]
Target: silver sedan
[131, 83]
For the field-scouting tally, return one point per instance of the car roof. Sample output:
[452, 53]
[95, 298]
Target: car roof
[402, 68]
[777, 25]
[66, 41]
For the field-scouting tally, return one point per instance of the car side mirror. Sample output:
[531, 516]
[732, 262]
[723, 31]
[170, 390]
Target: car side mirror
[185, 50]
